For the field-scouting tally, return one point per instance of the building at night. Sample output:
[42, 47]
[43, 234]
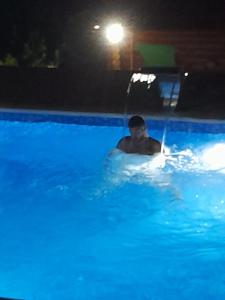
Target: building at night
[188, 50]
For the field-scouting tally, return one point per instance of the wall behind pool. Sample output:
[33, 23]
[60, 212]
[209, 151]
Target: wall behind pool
[186, 125]
[105, 91]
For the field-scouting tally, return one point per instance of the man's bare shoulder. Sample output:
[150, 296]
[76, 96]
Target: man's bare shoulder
[153, 141]
[123, 142]
[124, 139]
[154, 145]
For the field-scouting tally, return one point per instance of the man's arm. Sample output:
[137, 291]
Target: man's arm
[120, 145]
[155, 145]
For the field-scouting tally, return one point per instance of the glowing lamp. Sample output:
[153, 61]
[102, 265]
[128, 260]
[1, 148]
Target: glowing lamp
[96, 27]
[115, 33]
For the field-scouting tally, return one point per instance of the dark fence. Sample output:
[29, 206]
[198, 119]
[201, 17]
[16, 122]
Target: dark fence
[63, 89]
[105, 91]
[203, 94]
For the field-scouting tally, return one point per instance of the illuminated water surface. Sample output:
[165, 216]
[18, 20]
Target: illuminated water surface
[77, 224]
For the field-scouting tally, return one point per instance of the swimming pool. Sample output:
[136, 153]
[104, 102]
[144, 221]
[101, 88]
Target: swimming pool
[77, 224]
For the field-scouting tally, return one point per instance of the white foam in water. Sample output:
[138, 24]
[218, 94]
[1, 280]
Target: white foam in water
[209, 158]
[144, 167]
[125, 166]
[213, 157]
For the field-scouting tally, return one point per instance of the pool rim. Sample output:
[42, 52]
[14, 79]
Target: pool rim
[172, 122]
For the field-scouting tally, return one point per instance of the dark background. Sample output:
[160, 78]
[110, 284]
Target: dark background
[53, 23]
[41, 33]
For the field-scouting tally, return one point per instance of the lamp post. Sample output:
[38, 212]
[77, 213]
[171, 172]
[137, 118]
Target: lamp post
[131, 50]
[115, 35]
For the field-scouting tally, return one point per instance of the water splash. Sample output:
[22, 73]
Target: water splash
[125, 167]
[213, 157]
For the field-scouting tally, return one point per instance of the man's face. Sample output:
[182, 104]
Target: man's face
[138, 132]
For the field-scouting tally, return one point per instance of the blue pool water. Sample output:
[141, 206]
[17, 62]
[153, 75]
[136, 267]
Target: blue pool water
[76, 223]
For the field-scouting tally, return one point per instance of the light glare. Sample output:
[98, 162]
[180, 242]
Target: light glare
[114, 33]
[149, 78]
[214, 157]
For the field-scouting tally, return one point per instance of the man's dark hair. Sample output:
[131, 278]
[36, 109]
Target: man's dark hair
[136, 121]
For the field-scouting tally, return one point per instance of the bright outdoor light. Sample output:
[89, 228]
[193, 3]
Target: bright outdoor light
[186, 74]
[96, 27]
[114, 33]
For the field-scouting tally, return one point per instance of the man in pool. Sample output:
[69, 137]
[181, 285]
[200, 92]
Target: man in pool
[138, 142]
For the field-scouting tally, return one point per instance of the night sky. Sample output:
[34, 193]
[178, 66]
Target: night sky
[50, 18]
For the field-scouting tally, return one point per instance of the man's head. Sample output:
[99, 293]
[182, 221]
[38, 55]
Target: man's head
[137, 127]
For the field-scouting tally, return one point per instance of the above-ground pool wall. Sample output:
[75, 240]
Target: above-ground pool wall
[104, 91]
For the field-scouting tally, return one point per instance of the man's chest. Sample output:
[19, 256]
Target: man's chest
[137, 147]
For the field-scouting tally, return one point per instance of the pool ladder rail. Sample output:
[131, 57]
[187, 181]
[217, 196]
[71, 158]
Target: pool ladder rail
[169, 82]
